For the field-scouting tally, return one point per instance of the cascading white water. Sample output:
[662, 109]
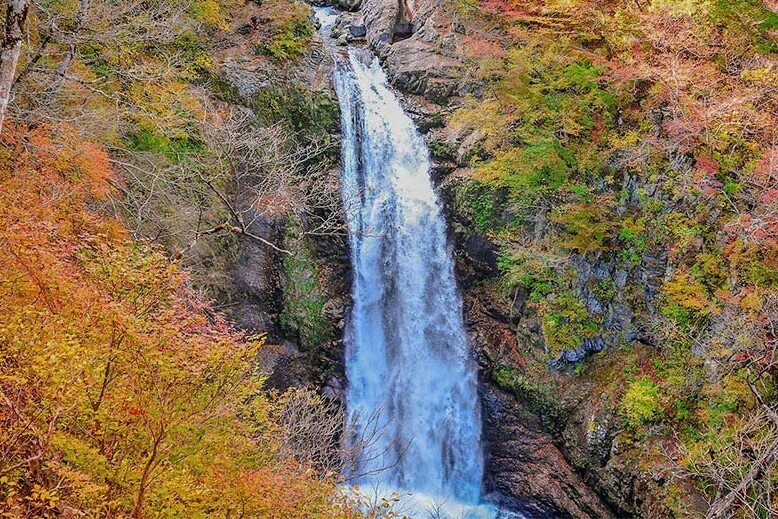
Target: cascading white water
[407, 355]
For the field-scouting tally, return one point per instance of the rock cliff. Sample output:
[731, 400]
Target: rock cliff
[298, 300]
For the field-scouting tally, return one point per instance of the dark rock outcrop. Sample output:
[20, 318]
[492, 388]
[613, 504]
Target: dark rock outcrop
[349, 5]
[257, 283]
[522, 460]
[258, 275]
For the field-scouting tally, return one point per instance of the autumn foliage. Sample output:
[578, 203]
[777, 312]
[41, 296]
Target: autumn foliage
[122, 393]
[639, 137]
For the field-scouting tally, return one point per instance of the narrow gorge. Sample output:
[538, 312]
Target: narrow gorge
[411, 376]
[411, 381]
[343, 259]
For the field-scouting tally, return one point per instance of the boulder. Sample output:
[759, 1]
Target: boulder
[357, 31]
[416, 67]
[350, 24]
[350, 5]
[380, 18]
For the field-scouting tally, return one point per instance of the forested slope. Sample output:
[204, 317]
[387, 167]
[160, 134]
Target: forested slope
[620, 158]
[125, 155]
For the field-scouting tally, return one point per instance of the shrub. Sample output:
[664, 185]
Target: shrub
[310, 114]
[635, 239]
[686, 299]
[479, 205]
[304, 299]
[440, 150]
[290, 29]
[588, 227]
[539, 399]
[528, 169]
[640, 403]
[565, 322]
[529, 269]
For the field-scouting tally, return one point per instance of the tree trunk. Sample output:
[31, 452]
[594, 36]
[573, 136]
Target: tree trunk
[10, 47]
[144, 480]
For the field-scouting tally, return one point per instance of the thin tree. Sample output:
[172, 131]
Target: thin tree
[10, 48]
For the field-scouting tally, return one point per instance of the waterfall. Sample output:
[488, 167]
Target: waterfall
[412, 398]
[406, 351]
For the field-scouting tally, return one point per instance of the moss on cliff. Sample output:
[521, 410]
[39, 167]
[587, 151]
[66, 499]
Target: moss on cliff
[623, 167]
[304, 297]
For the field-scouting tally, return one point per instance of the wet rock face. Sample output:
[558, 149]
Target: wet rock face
[259, 278]
[526, 464]
[617, 325]
[256, 282]
[525, 468]
[419, 45]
